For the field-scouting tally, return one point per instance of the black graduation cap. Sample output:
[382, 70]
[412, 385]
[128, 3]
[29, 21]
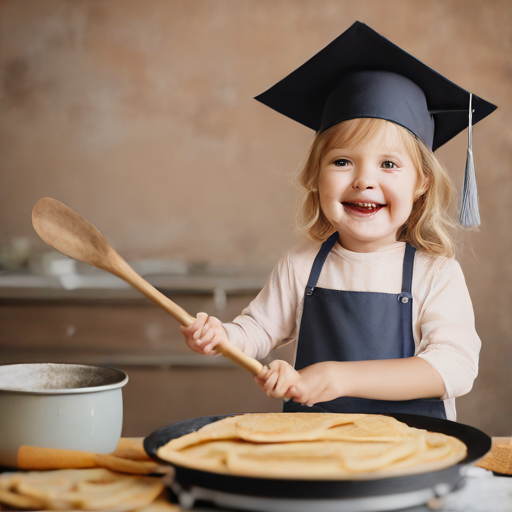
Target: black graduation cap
[363, 74]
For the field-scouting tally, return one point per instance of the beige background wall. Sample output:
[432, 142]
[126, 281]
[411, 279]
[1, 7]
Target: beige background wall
[139, 115]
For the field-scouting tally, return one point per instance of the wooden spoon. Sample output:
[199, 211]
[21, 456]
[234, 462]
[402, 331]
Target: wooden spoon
[69, 233]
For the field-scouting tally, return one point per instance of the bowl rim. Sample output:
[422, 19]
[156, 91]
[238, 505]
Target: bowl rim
[121, 382]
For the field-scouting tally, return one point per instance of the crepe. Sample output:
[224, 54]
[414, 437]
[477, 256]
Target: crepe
[313, 446]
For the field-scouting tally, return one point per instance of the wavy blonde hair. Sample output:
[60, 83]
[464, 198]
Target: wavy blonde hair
[429, 225]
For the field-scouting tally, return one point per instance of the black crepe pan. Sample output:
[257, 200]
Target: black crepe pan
[477, 442]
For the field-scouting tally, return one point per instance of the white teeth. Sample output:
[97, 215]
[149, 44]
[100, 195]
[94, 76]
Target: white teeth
[366, 205]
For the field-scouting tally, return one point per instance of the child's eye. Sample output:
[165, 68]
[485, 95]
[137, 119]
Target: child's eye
[341, 162]
[388, 164]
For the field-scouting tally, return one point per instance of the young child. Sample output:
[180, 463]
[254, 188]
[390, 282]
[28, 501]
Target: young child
[379, 307]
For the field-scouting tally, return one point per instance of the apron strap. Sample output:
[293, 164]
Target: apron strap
[405, 299]
[319, 262]
[408, 268]
[325, 249]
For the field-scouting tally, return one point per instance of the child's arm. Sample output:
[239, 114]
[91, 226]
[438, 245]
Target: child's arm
[390, 379]
[268, 321]
[448, 339]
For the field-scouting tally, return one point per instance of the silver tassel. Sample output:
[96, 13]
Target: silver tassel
[469, 216]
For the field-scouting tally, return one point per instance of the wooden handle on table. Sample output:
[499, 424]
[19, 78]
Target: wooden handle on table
[35, 458]
[41, 459]
[228, 350]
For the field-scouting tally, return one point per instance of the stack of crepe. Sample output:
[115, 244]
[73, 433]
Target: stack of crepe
[313, 446]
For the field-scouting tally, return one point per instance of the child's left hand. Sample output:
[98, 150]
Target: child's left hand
[281, 380]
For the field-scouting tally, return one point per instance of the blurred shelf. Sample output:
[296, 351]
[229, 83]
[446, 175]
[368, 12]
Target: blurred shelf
[114, 359]
[106, 287]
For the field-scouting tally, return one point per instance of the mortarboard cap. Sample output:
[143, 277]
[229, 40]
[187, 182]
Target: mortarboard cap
[362, 74]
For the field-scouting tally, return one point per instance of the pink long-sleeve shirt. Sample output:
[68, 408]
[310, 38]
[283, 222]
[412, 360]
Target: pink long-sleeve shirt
[443, 318]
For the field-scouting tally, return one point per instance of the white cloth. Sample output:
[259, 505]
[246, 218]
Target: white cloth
[443, 318]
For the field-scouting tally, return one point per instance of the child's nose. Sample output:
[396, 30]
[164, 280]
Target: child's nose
[363, 180]
[363, 183]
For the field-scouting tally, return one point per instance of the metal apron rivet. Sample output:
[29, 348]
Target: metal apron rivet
[404, 298]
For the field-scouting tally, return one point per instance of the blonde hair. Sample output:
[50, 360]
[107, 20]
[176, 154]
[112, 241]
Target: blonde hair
[429, 225]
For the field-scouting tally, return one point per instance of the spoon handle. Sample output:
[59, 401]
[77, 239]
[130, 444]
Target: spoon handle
[228, 350]
[242, 360]
[124, 271]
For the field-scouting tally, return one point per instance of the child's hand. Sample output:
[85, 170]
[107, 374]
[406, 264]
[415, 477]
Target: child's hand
[307, 386]
[205, 334]
[278, 380]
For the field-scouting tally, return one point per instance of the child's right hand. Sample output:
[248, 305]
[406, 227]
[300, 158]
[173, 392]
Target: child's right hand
[205, 334]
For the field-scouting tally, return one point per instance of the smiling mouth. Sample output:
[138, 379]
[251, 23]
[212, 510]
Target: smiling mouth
[363, 208]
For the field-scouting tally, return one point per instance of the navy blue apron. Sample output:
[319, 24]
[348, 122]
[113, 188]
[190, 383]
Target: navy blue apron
[339, 325]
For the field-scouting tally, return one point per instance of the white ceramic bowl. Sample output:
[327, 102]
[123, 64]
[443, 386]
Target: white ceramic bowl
[68, 406]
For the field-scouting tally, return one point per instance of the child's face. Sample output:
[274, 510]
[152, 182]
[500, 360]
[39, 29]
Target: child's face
[379, 172]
